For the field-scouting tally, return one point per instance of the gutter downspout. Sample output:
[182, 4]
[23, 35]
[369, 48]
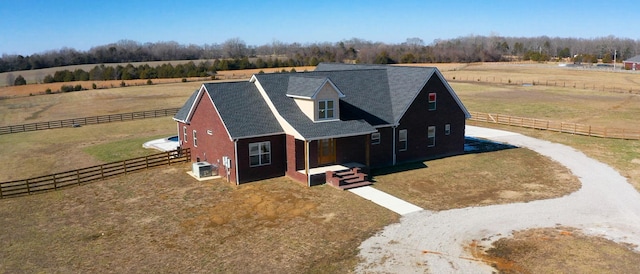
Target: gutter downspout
[235, 155]
[394, 144]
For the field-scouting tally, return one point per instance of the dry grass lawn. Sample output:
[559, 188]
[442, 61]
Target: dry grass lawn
[547, 74]
[164, 221]
[498, 177]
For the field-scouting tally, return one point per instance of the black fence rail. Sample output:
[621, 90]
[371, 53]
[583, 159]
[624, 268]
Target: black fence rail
[75, 122]
[84, 175]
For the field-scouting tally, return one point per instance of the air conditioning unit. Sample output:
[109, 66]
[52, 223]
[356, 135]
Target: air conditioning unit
[202, 169]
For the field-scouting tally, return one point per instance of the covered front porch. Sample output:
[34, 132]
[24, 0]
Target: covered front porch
[309, 161]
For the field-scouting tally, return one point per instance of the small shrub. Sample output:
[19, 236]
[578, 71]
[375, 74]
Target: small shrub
[149, 82]
[454, 77]
[94, 86]
[292, 70]
[123, 84]
[66, 88]
[77, 87]
[48, 91]
[261, 72]
[184, 80]
[509, 81]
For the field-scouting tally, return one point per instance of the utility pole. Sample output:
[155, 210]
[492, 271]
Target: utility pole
[615, 53]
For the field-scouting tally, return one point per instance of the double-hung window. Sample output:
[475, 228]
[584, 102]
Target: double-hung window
[432, 101]
[447, 129]
[431, 136]
[184, 134]
[260, 154]
[325, 109]
[195, 139]
[402, 140]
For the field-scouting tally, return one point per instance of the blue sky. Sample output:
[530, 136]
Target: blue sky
[32, 26]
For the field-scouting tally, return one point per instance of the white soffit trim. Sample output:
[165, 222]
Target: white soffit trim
[288, 129]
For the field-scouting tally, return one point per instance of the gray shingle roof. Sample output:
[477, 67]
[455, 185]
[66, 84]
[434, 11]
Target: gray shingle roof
[301, 86]
[403, 84]
[634, 59]
[243, 110]
[182, 114]
[276, 87]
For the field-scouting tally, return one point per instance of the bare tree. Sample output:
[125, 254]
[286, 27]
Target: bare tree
[234, 48]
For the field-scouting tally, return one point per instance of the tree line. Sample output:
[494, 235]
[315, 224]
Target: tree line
[167, 70]
[471, 48]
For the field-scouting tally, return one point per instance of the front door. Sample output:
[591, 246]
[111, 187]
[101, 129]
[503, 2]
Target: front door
[326, 151]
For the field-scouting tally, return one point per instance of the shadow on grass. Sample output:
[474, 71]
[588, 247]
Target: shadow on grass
[471, 146]
[475, 145]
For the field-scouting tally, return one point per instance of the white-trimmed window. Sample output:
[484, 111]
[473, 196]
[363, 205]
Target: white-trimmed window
[195, 138]
[260, 154]
[375, 138]
[431, 136]
[326, 109]
[447, 129]
[184, 134]
[432, 101]
[402, 140]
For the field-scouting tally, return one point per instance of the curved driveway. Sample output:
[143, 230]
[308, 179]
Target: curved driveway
[425, 241]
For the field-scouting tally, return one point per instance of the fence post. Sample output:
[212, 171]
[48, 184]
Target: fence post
[28, 187]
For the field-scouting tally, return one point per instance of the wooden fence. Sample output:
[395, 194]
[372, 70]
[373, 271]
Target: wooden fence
[84, 175]
[551, 83]
[573, 128]
[74, 122]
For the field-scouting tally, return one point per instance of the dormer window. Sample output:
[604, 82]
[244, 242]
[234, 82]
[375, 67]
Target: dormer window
[325, 109]
[317, 97]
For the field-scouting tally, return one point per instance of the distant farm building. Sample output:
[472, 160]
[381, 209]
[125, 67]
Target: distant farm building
[633, 63]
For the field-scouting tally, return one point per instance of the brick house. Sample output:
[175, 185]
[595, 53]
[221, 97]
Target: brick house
[311, 126]
[632, 63]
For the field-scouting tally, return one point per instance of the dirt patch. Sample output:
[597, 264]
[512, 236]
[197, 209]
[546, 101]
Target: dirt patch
[557, 250]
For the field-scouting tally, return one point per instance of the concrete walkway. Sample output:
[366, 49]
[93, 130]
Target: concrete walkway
[434, 242]
[385, 200]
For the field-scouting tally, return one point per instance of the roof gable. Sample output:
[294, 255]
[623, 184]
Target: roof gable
[307, 87]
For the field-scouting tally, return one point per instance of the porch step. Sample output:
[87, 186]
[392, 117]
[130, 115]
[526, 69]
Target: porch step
[347, 179]
[344, 173]
[360, 184]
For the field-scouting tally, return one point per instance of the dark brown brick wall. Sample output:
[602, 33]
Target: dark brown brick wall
[277, 168]
[418, 118]
[211, 148]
